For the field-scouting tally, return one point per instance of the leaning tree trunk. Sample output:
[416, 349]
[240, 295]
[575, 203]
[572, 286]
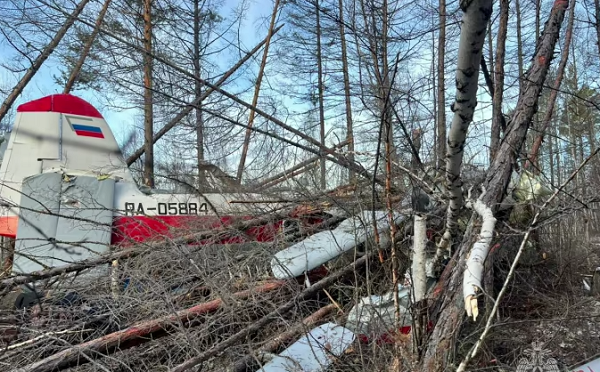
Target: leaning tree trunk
[257, 84]
[450, 314]
[476, 16]
[35, 66]
[86, 49]
[535, 149]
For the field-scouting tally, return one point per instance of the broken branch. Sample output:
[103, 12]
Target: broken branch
[473, 352]
[474, 271]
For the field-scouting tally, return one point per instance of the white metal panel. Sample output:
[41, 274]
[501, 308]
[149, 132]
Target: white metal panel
[314, 352]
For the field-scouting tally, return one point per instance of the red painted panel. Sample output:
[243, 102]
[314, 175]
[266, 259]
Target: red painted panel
[132, 229]
[63, 103]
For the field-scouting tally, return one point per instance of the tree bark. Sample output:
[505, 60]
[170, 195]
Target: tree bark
[441, 88]
[321, 94]
[39, 61]
[477, 14]
[257, 85]
[148, 97]
[533, 158]
[347, 95]
[86, 49]
[499, 80]
[450, 316]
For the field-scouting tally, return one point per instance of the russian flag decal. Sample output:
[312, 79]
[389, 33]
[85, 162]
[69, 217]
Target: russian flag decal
[88, 131]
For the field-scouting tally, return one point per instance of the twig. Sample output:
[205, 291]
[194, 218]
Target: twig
[275, 314]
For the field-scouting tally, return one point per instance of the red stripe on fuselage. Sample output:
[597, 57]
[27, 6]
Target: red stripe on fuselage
[131, 229]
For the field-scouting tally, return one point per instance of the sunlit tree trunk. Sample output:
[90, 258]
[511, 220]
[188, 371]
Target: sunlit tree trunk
[148, 97]
[472, 38]
[533, 158]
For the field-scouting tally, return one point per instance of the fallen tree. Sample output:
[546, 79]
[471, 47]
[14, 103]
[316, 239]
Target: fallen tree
[447, 315]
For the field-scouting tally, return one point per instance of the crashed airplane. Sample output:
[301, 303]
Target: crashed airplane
[65, 183]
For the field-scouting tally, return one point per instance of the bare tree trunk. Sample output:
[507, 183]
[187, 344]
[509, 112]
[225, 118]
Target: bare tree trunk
[257, 85]
[450, 316]
[86, 49]
[533, 158]
[349, 124]
[573, 137]
[551, 156]
[436, 160]
[597, 14]
[198, 93]
[148, 97]
[441, 88]
[386, 88]
[31, 71]
[320, 89]
[490, 46]
[519, 43]
[499, 79]
[477, 14]
[538, 5]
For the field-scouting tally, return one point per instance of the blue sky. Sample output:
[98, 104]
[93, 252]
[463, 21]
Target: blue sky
[252, 30]
[43, 83]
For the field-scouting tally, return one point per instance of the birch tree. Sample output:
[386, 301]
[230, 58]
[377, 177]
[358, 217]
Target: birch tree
[473, 30]
[495, 185]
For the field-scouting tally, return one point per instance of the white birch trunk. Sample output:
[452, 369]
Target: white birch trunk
[419, 273]
[473, 274]
[472, 38]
